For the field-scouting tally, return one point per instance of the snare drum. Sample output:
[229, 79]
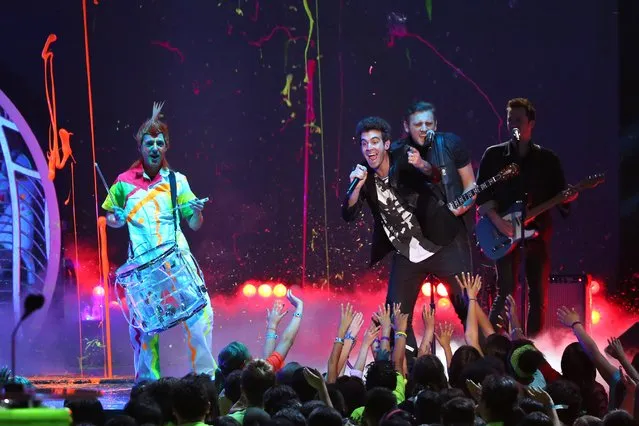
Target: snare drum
[162, 287]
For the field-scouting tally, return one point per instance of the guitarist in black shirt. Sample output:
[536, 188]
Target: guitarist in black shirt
[541, 178]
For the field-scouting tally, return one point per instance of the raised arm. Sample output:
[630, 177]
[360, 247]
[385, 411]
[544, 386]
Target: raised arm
[428, 316]
[346, 317]
[288, 337]
[617, 352]
[399, 350]
[273, 318]
[444, 337]
[570, 318]
[472, 285]
[349, 341]
[369, 337]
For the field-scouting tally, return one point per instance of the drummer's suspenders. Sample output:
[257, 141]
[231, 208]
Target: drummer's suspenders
[174, 205]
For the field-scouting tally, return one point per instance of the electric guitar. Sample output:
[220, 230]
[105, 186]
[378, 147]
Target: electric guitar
[507, 172]
[496, 245]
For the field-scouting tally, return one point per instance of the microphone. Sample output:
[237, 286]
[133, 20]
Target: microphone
[430, 135]
[516, 134]
[351, 187]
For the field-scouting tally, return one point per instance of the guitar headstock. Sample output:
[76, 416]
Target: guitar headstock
[508, 172]
[591, 181]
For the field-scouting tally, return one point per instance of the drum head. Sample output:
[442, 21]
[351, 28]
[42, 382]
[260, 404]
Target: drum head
[144, 259]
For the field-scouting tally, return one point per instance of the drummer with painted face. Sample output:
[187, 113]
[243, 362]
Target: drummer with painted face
[141, 198]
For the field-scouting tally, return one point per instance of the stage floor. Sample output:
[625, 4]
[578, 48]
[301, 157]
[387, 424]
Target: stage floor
[115, 391]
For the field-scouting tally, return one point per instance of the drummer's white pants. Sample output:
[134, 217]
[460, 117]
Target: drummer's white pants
[198, 331]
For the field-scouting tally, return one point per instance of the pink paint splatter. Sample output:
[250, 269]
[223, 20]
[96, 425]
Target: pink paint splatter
[257, 11]
[277, 28]
[397, 31]
[167, 45]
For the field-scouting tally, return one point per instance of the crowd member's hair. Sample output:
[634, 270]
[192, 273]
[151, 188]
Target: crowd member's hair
[529, 405]
[463, 356]
[232, 386]
[498, 346]
[291, 416]
[524, 103]
[254, 416]
[458, 412]
[121, 420]
[588, 420]
[190, 400]
[524, 360]
[427, 407]
[565, 392]
[619, 418]
[379, 401]
[139, 388]
[285, 375]
[354, 392]
[499, 400]
[144, 410]
[536, 418]
[160, 391]
[309, 406]
[86, 411]
[337, 399]
[304, 390]
[397, 417]
[428, 371]
[257, 377]
[447, 394]
[325, 416]
[373, 123]
[211, 392]
[233, 356]
[577, 367]
[381, 374]
[478, 370]
[279, 397]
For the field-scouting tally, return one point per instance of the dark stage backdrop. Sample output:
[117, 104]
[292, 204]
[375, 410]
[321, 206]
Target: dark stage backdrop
[221, 66]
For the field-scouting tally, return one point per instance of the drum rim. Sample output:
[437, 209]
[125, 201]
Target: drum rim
[172, 247]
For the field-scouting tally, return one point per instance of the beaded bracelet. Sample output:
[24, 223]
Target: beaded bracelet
[339, 340]
[271, 336]
[399, 334]
[297, 314]
[574, 324]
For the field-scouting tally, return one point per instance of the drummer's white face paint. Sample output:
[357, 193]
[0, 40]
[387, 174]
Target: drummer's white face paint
[153, 150]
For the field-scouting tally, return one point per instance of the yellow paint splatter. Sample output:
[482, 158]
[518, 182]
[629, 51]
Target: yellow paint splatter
[311, 24]
[286, 91]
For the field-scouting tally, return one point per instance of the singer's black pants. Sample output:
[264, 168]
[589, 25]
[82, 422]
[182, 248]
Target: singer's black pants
[537, 252]
[406, 278]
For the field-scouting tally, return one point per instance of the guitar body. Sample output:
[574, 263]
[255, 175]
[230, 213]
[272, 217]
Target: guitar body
[493, 243]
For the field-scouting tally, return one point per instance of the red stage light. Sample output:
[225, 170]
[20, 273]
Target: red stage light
[595, 316]
[444, 303]
[279, 290]
[265, 290]
[426, 289]
[249, 290]
[98, 290]
[595, 287]
[441, 290]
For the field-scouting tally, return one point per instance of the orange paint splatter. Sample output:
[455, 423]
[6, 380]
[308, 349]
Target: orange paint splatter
[59, 140]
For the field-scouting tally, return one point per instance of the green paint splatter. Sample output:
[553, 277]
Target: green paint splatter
[429, 9]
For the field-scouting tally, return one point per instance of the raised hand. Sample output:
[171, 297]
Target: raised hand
[275, 315]
[197, 205]
[540, 395]
[295, 301]
[400, 320]
[428, 316]
[383, 315]
[567, 317]
[616, 349]
[471, 284]
[313, 378]
[356, 325]
[370, 335]
[445, 334]
[346, 318]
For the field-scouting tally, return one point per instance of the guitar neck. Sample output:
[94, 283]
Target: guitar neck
[546, 205]
[459, 201]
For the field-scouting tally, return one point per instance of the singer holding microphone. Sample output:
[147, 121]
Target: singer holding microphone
[445, 161]
[403, 203]
[540, 178]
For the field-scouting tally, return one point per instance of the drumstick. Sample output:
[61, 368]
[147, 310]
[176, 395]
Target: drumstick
[97, 168]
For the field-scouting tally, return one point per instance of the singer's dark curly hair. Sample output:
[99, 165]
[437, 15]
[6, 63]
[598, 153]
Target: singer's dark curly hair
[373, 123]
[419, 106]
[524, 103]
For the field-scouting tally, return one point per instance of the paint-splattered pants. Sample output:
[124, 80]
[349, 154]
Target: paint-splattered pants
[198, 331]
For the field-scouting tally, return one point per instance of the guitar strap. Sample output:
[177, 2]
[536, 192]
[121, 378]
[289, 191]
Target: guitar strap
[446, 178]
[176, 211]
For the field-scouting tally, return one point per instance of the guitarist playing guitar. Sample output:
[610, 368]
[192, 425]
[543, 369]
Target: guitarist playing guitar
[540, 178]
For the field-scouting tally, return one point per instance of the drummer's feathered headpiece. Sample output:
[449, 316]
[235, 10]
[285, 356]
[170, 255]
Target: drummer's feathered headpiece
[153, 126]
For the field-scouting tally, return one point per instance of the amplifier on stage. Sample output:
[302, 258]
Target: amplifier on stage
[571, 291]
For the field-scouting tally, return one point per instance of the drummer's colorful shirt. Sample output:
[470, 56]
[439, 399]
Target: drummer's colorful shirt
[148, 208]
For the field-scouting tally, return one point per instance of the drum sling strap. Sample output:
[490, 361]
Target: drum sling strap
[173, 186]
